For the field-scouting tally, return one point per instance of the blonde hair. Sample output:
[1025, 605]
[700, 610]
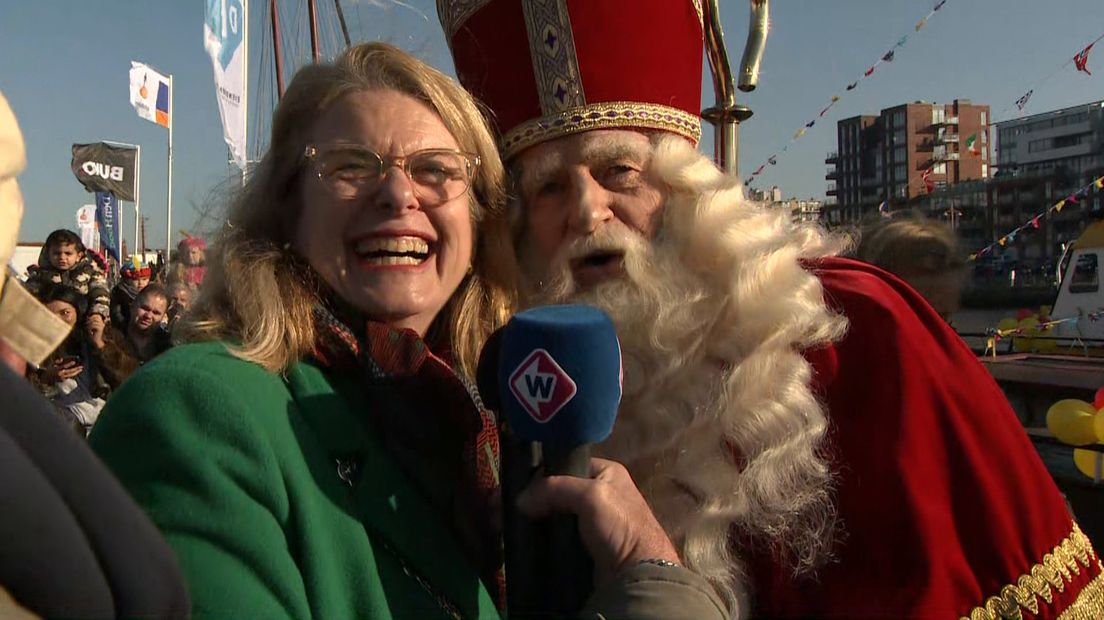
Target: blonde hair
[260, 296]
[719, 425]
[910, 245]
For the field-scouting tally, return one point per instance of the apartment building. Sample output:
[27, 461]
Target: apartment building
[896, 156]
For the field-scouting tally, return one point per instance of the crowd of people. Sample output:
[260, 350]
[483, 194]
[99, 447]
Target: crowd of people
[800, 435]
[119, 320]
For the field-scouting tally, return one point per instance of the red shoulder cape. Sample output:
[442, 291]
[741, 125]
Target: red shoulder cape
[943, 499]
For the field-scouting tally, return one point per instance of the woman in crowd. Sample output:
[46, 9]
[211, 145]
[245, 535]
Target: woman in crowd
[316, 450]
[70, 379]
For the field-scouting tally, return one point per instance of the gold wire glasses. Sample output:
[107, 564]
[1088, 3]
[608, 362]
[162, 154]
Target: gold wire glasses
[351, 171]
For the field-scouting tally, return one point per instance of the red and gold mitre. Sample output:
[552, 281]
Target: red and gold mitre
[549, 68]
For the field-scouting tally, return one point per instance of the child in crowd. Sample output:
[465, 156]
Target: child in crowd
[134, 276]
[63, 260]
[190, 263]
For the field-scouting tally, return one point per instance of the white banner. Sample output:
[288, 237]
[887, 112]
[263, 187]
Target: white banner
[149, 93]
[224, 39]
[86, 226]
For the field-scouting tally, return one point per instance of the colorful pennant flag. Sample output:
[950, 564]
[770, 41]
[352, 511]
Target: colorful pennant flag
[971, 145]
[929, 185]
[939, 6]
[1022, 101]
[920, 24]
[772, 160]
[852, 85]
[888, 56]
[869, 71]
[1058, 205]
[1099, 183]
[1082, 58]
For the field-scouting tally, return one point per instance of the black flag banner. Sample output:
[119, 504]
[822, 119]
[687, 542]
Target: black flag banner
[101, 167]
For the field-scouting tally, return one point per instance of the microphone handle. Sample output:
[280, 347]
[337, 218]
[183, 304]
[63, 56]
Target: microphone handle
[525, 581]
[570, 570]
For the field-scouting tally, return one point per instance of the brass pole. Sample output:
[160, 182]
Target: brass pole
[726, 114]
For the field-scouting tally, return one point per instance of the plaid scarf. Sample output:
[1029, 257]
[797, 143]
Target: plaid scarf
[433, 424]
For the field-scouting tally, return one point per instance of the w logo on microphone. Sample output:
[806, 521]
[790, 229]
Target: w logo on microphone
[541, 386]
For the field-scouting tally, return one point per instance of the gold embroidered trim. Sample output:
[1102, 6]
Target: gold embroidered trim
[1090, 603]
[1053, 573]
[552, 52]
[453, 14]
[612, 115]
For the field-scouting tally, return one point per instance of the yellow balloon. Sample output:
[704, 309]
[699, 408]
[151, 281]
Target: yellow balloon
[1098, 423]
[1087, 460]
[1028, 328]
[1071, 421]
[1047, 344]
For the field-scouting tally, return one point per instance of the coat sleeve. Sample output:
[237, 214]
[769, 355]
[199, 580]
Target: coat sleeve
[193, 453]
[99, 298]
[646, 592]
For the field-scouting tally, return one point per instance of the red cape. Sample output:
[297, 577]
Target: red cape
[944, 501]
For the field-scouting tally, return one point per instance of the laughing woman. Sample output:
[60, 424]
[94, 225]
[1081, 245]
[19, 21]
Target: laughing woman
[313, 451]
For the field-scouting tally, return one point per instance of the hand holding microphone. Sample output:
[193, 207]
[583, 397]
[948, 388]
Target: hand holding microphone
[555, 374]
[616, 525]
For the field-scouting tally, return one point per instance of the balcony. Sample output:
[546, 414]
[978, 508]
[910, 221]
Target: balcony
[832, 174]
[948, 120]
[831, 191]
[832, 157]
[941, 154]
[947, 138]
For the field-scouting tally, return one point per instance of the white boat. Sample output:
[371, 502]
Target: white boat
[1080, 295]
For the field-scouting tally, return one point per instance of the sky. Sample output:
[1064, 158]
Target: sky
[65, 66]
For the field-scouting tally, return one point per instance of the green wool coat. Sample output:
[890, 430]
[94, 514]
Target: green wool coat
[238, 467]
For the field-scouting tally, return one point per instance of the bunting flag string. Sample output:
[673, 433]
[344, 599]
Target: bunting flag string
[884, 58]
[1033, 223]
[995, 334]
[998, 334]
[1079, 60]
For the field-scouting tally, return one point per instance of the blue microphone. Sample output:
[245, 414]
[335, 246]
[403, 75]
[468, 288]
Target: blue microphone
[559, 376]
[554, 373]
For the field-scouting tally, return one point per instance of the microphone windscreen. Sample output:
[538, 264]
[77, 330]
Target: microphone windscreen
[559, 375]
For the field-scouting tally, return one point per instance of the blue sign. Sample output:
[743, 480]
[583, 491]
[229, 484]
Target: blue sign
[107, 218]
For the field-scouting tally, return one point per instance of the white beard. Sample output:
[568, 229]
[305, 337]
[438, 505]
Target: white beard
[718, 425]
